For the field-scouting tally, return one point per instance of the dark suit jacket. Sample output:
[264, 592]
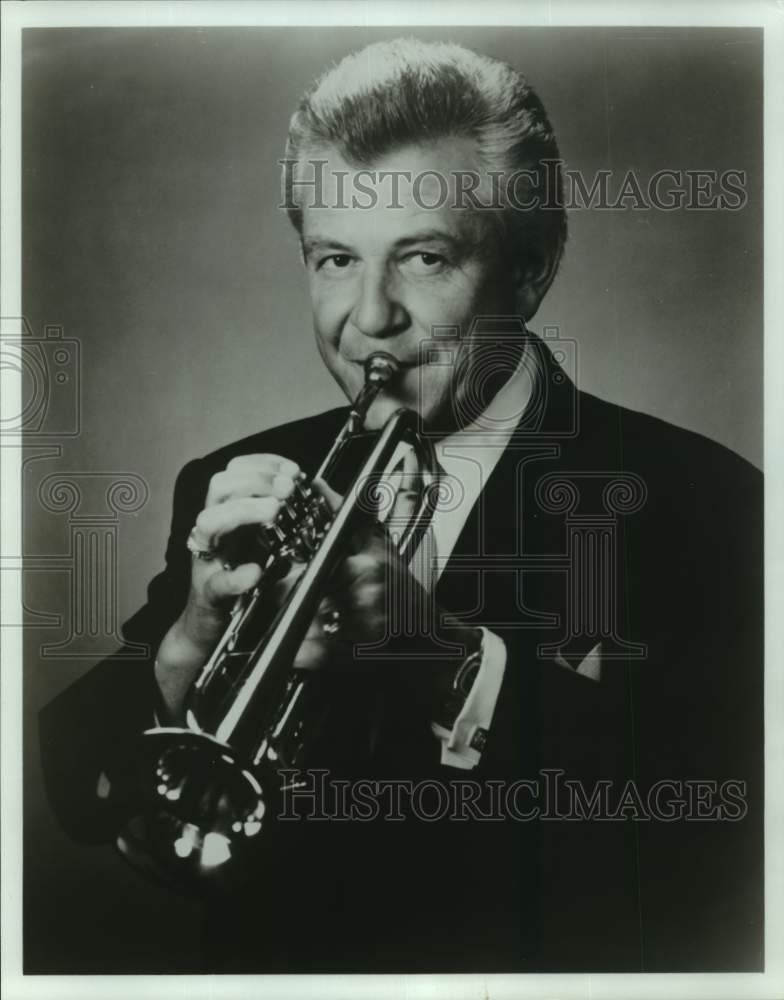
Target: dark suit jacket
[680, 700]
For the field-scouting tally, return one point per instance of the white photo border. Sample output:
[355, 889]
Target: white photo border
[61, 13]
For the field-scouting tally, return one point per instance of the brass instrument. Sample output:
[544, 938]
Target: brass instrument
[209, 787]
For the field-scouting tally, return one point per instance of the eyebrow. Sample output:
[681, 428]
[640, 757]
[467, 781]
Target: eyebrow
[310, 246]
[315, 244]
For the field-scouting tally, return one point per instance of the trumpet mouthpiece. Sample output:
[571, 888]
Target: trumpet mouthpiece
[380, 368]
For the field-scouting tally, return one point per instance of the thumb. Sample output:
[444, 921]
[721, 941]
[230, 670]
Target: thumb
[228, 583]
[335, 500]
[362, 534]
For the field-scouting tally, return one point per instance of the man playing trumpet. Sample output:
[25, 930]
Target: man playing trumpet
[584, 597]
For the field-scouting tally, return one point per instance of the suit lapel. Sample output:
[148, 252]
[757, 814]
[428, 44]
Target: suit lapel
[503, 568]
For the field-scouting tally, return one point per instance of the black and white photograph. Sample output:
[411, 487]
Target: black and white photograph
[389, 476]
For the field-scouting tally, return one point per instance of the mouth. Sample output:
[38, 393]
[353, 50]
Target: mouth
[402, 365]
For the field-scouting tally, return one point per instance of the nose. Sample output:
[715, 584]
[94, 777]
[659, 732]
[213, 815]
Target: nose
[378, 311]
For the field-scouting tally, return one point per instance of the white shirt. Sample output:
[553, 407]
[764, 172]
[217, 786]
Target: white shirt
[468, 458]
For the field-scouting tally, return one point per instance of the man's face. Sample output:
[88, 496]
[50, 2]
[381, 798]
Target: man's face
[381, 278]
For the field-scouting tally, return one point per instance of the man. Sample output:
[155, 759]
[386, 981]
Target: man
[592, 580]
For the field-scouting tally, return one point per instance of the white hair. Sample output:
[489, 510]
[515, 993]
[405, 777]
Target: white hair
[405, 91]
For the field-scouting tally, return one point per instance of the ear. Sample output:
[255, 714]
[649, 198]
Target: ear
[532, 284]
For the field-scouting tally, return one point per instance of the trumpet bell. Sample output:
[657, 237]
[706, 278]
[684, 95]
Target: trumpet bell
[205, 815]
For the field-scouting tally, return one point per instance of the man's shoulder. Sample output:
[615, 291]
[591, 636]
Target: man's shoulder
[660, 451]
[691, 522]
[305, 441]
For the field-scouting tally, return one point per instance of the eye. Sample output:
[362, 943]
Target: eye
[425, 262]
[335, 262]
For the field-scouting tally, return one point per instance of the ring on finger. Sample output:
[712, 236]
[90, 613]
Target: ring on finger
[197, 548]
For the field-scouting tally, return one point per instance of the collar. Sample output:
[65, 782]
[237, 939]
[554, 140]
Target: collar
[487, 436]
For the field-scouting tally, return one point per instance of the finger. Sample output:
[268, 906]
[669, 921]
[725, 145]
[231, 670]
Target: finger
[334, 499]
[214, 522]
[227, 485]
[264, 463]
[373, 539]
[327, 608]
[367, 533]
[228, 583]
[364, 530]
[313, 654]
[281, 588]
[362, 568]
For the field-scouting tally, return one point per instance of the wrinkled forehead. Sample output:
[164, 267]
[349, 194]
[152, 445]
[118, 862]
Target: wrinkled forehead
[440, 186]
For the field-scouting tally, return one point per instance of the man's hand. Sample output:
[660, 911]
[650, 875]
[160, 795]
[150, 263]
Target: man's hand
[377, 598]
[248, 492]
[381, 604]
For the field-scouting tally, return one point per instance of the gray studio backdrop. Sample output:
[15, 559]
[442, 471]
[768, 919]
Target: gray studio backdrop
[152, 236]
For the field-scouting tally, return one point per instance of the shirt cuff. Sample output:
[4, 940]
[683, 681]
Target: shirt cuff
[461, 746]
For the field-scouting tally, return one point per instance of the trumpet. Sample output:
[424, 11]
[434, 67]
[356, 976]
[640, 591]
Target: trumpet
[208, 789]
